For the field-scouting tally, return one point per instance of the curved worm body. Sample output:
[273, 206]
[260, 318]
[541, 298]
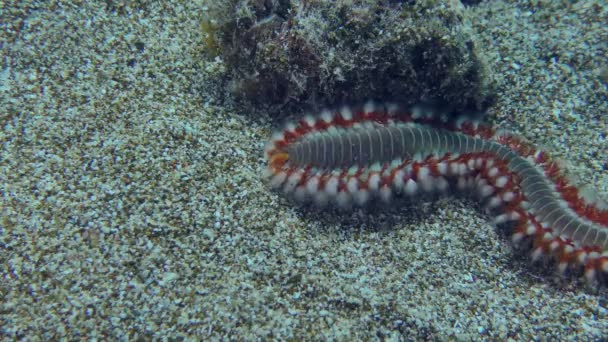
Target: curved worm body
[354, 155]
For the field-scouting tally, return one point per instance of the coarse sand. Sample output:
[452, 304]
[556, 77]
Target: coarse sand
[133, 203]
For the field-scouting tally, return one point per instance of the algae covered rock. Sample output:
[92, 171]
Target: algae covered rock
[295, 54]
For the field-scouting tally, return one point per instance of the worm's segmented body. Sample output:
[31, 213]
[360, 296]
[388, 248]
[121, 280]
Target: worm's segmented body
[351, 156]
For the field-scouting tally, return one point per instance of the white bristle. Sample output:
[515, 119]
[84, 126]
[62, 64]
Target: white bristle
[277, 136]
[410, 187]
[374, 182]
[290, 127]
[581, 258]
[332, 130]
[292, 181]
[321, 198]
[530, 229]
[392, 109]
[332, 186]
[423, 172]
[486, 190]
[352, 185]
[417, 112]
[346, 113]
[454, 167]
[562, 267]
[385, 194]
[500, 219]
[501, 181]
[554, 245]
[537, 253]
[462, 169]
[300, 194]
[461, 121]
[343, 199]
[278, 179]
[310, 120]
[508, 196]
[442, 167]
[471, 164]
[517, 237]
[369, 107]
[312, 185]
[461, 183]
[590, 274]
[398, 181]
[442, 184]
[326, 116]
[494, 202]
[361, 197]
[425, 179]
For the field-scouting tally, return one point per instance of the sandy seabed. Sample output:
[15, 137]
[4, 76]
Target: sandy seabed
[133, 206]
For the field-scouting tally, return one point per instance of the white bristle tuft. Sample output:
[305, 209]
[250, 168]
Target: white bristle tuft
[312, 185]
[442, 167]
[277, 136]
[385, 194]
[562, 267]
[343, 199]
[374, 182]
[590, 274]
[530, 229]
[508, 196]
[462, 169]
[346, 113]
[410, 187]
[537, 253]
[392, 109]
[300, 194]
[454, 168]
[292, 181]
[352, 185]
[461, 183]
[554, 245]
[326, 116]
[278, 180]
[321, 198]
[310, 120]
[461, 121]
[398, 181]
[369, 107]
[494, 202]
[581, 258]
[471, 164]
[501, 181]
[361, 197]
[427, 184]
[290, 127]
[442, 184]
[517, 237]
[332, 186]
[486, 190]
[417, 112]
[502, 218]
